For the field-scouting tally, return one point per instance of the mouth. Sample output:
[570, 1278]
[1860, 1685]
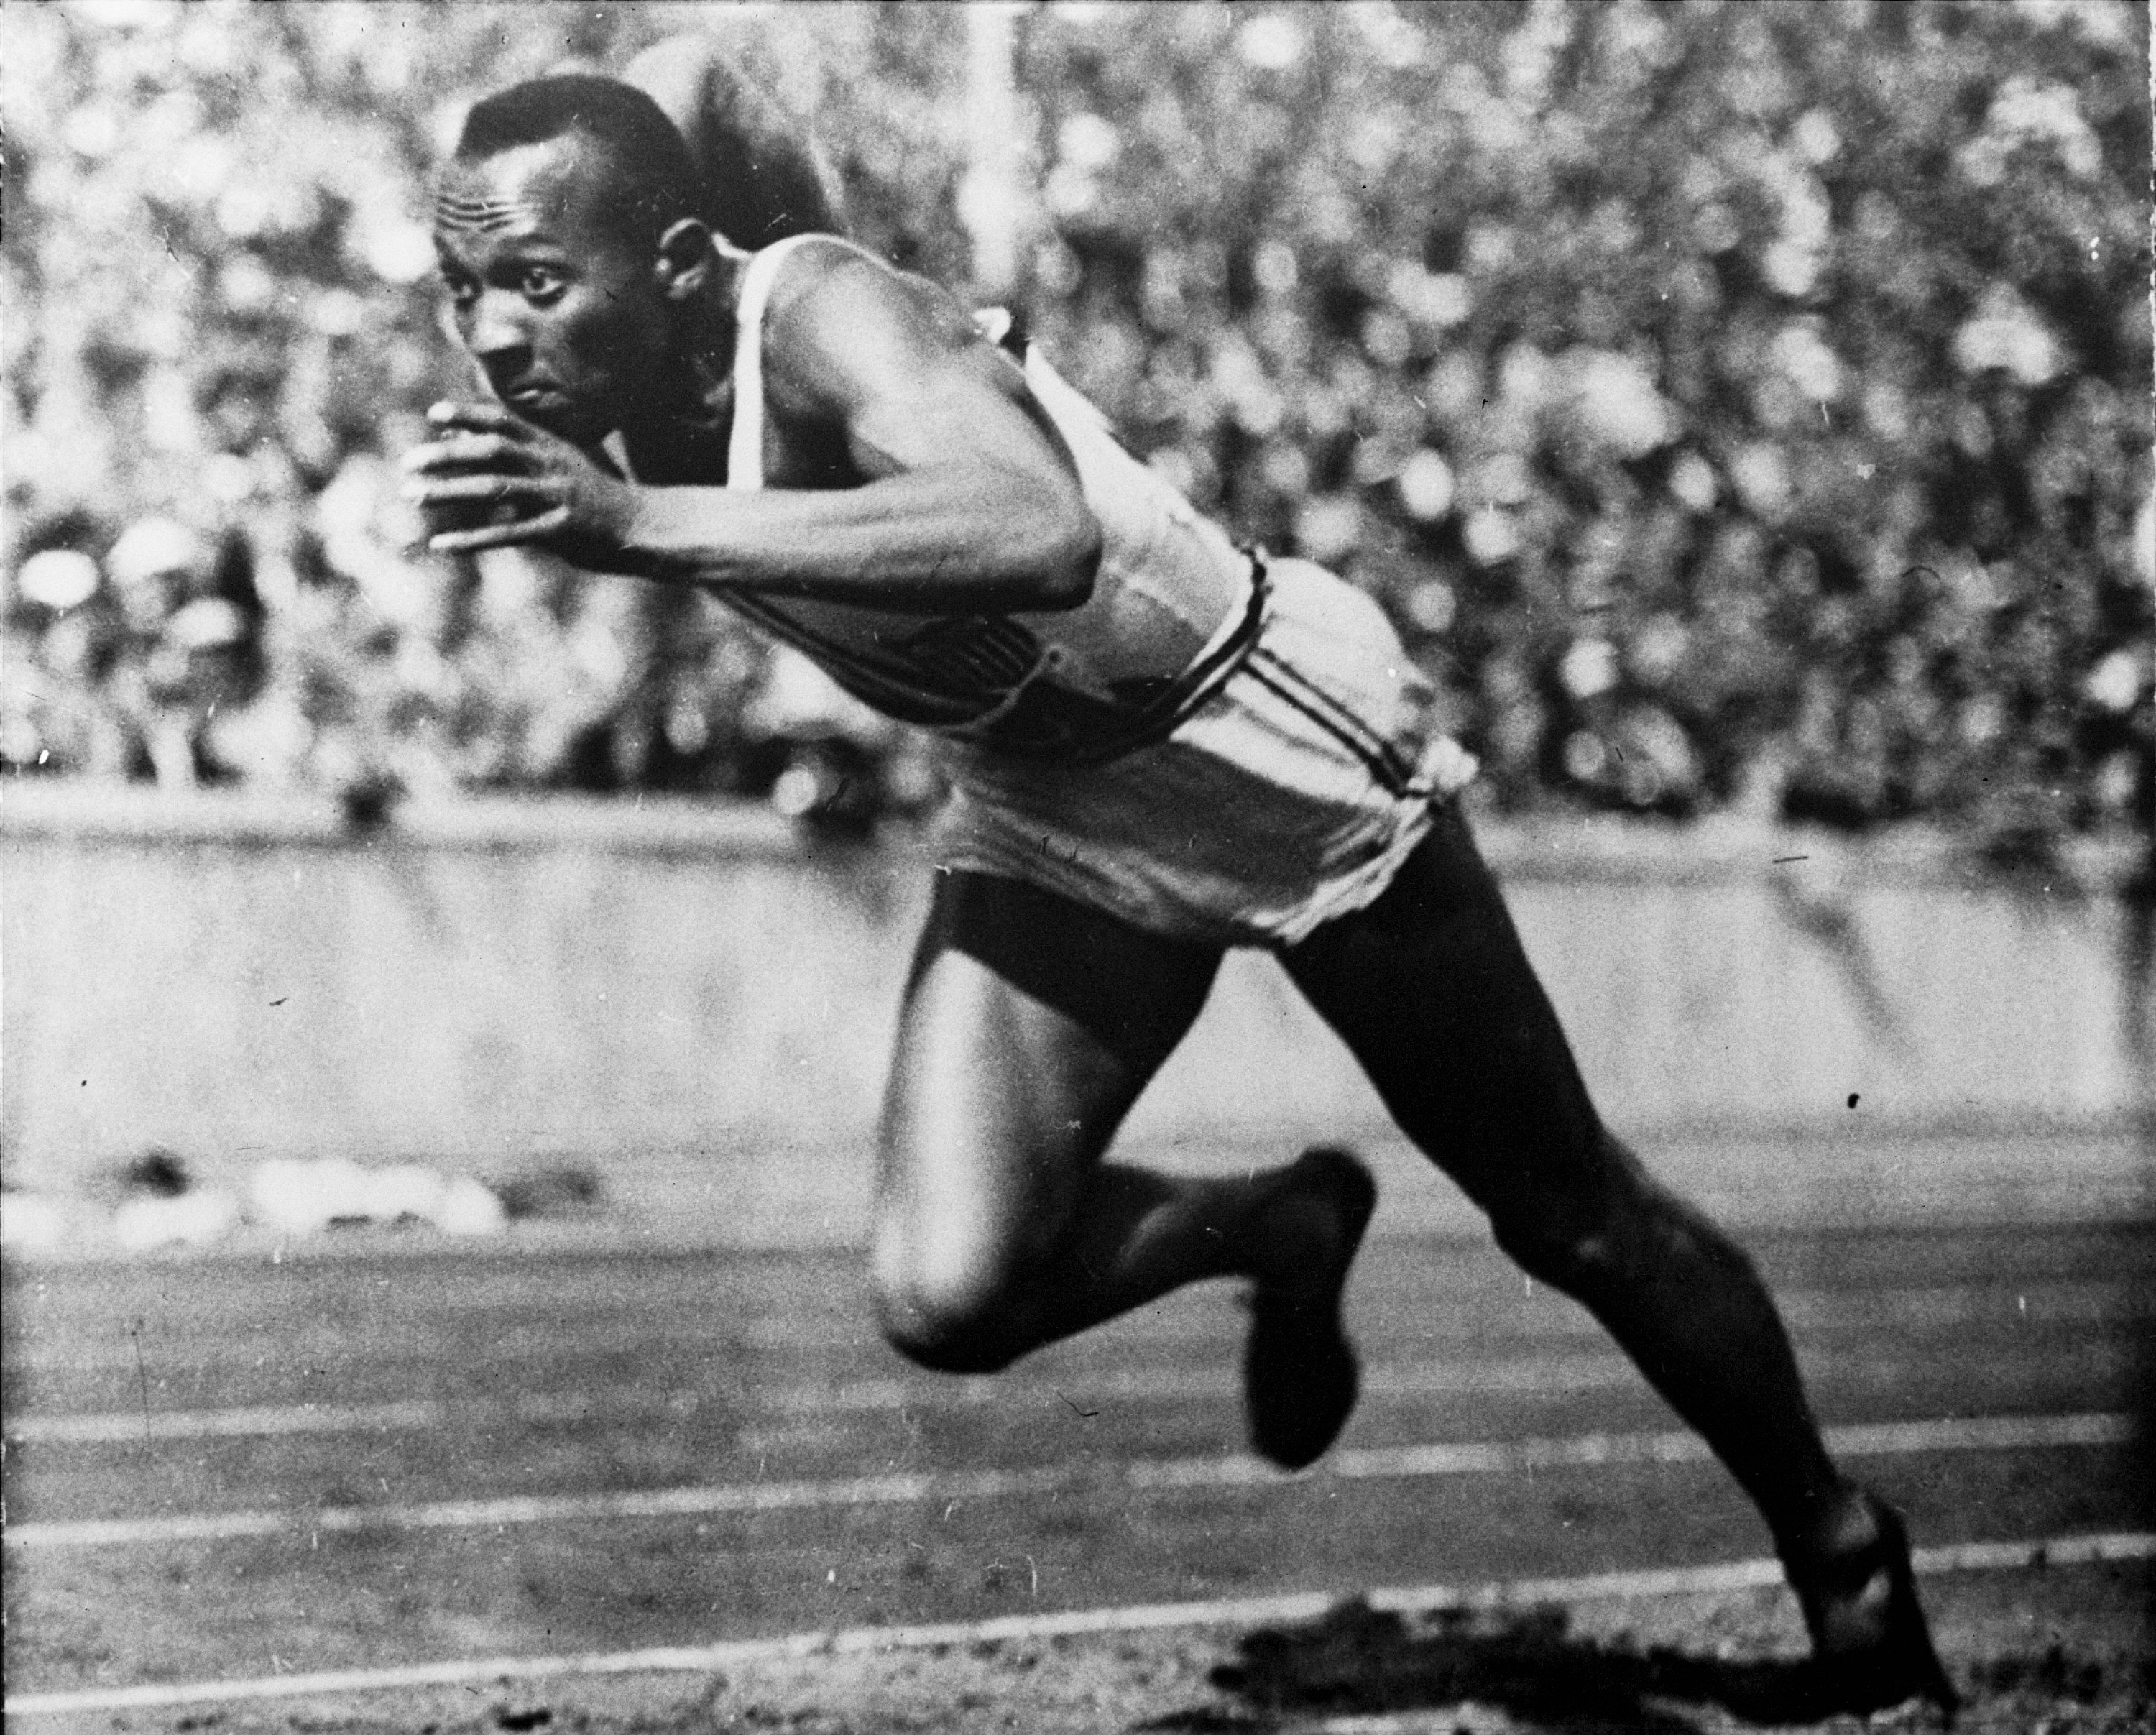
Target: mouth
[528, 398]
[547, 406]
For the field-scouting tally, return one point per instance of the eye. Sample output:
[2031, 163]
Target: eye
[541, 283]
[462, 289]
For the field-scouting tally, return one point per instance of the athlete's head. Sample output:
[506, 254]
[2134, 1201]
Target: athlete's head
[565, 229]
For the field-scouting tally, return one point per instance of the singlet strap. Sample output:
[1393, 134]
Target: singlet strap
[745, 444]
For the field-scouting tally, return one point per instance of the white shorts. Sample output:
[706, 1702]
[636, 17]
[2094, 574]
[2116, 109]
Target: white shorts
[1292, 796]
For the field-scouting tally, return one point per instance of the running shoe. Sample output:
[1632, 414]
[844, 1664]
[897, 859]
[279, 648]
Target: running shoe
[1300, 1374]
[1871, 1647]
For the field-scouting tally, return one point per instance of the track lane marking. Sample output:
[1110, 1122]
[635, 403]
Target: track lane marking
[249, 1421]
[1396, 1382]
[1552, 1373]
[1464, 1458]
[1208, 1321]
[1996, 1556]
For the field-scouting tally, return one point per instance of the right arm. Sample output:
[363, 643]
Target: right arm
[966, 505]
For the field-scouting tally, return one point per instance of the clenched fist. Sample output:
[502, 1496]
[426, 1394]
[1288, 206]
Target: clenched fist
[491, 480]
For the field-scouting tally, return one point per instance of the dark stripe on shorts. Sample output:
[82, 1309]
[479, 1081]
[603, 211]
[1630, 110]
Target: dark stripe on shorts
[1378, 756]
[1344, 718]
[1191, 689]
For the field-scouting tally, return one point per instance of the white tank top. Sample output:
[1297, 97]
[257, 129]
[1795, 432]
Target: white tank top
[1174, 602]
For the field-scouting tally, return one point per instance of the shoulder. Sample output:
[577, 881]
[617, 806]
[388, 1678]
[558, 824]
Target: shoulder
[835, 309]
[814, 274]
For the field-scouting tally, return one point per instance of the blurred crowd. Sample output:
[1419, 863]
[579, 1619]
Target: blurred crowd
[1737, 405]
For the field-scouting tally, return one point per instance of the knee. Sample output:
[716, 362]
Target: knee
[1606, 1238]
[950, 1309]
[1583, 1258]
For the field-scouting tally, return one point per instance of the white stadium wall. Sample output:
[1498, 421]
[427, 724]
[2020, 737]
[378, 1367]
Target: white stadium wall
[497, 986]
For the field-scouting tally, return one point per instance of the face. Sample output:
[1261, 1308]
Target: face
[565, 314]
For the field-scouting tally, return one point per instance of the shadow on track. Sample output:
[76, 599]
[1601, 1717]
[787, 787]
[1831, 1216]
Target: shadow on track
[1359, 1661]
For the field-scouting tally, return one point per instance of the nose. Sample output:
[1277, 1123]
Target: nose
[492, 331]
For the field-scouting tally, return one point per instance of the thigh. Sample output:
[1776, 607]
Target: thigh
[1431, 989]
[1029, 1025]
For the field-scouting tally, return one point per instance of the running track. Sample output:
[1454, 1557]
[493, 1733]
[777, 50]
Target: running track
[365, 1457]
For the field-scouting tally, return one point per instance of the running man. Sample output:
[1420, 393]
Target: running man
[1160, 746]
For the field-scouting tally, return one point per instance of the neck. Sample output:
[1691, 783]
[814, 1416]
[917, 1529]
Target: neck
[683, 441]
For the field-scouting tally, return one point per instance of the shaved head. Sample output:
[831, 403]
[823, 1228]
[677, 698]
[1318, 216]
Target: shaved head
[650, 178]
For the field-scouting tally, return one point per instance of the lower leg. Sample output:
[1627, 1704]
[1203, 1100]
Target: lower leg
[1431, 988]
[1134, 1235]
[1688, 1306]
[1139, 1235]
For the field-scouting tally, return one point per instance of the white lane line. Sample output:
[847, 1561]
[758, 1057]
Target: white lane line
[1393, 1382]
[251, 1421]
[1722, 1578]
[1465, 1458]
[1882, 1439]
[1532, 1373]
[1203, 1322]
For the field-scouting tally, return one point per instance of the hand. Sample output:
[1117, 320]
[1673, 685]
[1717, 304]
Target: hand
[491, 480]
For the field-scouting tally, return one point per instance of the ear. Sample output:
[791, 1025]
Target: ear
[684, 265]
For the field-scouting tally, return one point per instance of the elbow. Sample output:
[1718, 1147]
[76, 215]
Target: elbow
[1070, 557]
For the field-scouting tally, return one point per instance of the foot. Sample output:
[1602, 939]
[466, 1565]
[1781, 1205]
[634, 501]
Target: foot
[1299, 1376]
[1869, 1645]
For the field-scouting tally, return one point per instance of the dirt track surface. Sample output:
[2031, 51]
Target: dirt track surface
[234, 1469]
[2062, 1651]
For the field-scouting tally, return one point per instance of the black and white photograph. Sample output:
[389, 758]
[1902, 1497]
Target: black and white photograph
[1066, 865]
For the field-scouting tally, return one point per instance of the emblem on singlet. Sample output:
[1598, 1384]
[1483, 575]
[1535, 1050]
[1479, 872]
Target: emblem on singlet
[945, 674]
[990, 678]
[985, 655]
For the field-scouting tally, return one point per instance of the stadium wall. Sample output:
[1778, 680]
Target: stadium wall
[499, 987]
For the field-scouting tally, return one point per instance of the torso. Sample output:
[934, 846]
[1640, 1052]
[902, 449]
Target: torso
[1169, 588]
